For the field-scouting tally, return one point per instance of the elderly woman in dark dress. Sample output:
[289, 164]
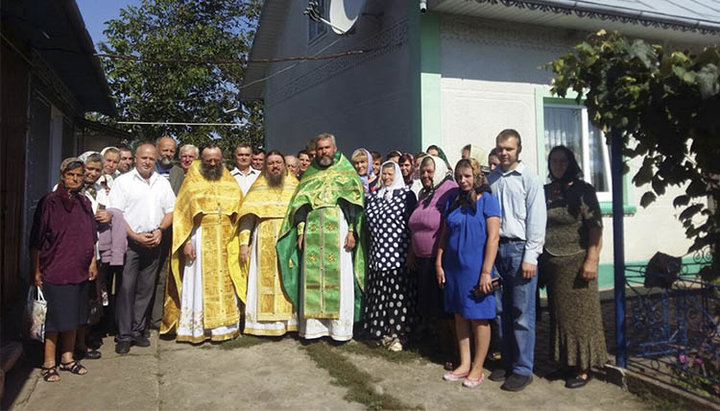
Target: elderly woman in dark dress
[62, 248]
[389, 291]
[569, 267]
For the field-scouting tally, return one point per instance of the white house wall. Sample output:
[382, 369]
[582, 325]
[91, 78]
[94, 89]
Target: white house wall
[490, 74]
[363, 99]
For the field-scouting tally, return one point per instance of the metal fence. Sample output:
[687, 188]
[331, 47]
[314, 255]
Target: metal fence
[673, 334]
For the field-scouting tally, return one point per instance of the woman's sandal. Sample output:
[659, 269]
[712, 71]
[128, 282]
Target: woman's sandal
[74, 367]
[49, 372]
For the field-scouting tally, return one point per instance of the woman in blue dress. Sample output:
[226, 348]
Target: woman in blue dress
[466, 254]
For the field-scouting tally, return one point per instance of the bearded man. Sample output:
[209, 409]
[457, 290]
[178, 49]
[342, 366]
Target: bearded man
[320, 251]
[201, 294]
[267, 310]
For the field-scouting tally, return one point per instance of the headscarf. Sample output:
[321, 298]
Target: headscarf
[369, 173]
[442, 156]
[386, 192]
[478, 154]
[66, 195]
[84, 156]
[439, 177]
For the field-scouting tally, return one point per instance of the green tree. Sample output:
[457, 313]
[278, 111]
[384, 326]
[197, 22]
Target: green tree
[183, 61]
[665, 106]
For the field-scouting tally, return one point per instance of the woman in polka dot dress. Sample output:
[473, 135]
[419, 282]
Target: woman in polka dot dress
[389, 293]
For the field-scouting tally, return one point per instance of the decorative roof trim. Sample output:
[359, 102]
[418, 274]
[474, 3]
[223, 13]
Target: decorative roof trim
[615, 15]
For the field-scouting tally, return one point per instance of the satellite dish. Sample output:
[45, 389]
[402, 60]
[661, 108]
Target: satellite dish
[344, 13]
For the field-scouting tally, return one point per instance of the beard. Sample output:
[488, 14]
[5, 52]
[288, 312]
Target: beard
[211, 172]
[165, 161]
[275, 180]
[325, 161]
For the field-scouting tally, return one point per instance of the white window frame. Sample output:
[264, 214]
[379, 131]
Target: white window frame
[603, 196]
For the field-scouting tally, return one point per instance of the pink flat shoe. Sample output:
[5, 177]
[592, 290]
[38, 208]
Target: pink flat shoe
[470, 383]
[450, 376]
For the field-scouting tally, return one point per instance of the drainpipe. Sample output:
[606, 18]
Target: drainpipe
[616, 165]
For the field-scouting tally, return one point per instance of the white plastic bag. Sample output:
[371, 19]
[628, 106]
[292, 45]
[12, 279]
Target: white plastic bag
[35, 313]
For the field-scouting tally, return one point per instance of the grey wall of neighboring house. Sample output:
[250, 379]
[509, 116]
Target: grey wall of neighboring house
[363, 99]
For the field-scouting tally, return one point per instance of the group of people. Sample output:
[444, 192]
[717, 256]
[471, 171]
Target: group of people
[325, 246]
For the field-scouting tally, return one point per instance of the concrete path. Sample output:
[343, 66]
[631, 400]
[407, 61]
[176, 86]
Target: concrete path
[279, 374]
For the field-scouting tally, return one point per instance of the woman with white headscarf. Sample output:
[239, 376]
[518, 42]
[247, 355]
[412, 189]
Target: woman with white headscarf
[425, 223]
[389, 293]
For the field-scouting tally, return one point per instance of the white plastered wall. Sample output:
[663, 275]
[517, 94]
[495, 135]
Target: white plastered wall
[490, 74]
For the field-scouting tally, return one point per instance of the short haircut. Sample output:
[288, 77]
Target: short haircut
[243, 145]
[159, 139]
[191, 147]
[509, 133]
[376, 155]
[325, 136]
[493, 153]
[420, 155]
[433, 147]
[258, 151]
[301, 152]
[310, 145]
[393, 153]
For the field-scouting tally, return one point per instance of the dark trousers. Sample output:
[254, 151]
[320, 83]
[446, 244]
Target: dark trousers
[136, 290]
[157, 304]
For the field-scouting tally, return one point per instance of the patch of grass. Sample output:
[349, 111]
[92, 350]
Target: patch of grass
[360, 385]
[242, 341]
[369, 348]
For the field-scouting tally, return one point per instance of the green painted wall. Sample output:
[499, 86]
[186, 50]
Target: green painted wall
[425, 65]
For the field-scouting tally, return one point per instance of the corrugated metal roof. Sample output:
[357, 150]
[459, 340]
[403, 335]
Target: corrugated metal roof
[681, 21]
[701, 16]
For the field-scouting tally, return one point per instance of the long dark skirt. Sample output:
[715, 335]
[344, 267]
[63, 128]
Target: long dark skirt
[389, 303]
[67, 306]
[576, 329]
[429, 294]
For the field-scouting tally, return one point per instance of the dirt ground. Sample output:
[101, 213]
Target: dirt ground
[252, 373]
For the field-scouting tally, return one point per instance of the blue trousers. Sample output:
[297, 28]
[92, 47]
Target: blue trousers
[516, 309]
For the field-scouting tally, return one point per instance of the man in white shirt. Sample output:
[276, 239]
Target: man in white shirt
[243, 173]
[146, 201]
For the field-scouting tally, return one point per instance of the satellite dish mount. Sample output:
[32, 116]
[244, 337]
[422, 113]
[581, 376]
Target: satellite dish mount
[342, 14]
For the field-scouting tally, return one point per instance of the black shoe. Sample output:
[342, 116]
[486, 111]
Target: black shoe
[122, 347]
[93, 355]
[498, 375]
[146, 334]
[576, 381]
[516, 382]
[141, 341]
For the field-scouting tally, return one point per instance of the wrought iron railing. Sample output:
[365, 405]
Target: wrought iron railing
[674, 333]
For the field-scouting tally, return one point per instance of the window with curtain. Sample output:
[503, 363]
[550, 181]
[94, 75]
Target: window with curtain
[568, 125]
[316, 29]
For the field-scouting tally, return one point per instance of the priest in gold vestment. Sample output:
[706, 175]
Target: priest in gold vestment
[201, 296]
[268, 311]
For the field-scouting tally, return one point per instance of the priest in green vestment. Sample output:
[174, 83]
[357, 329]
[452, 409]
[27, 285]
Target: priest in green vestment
[320, 247]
